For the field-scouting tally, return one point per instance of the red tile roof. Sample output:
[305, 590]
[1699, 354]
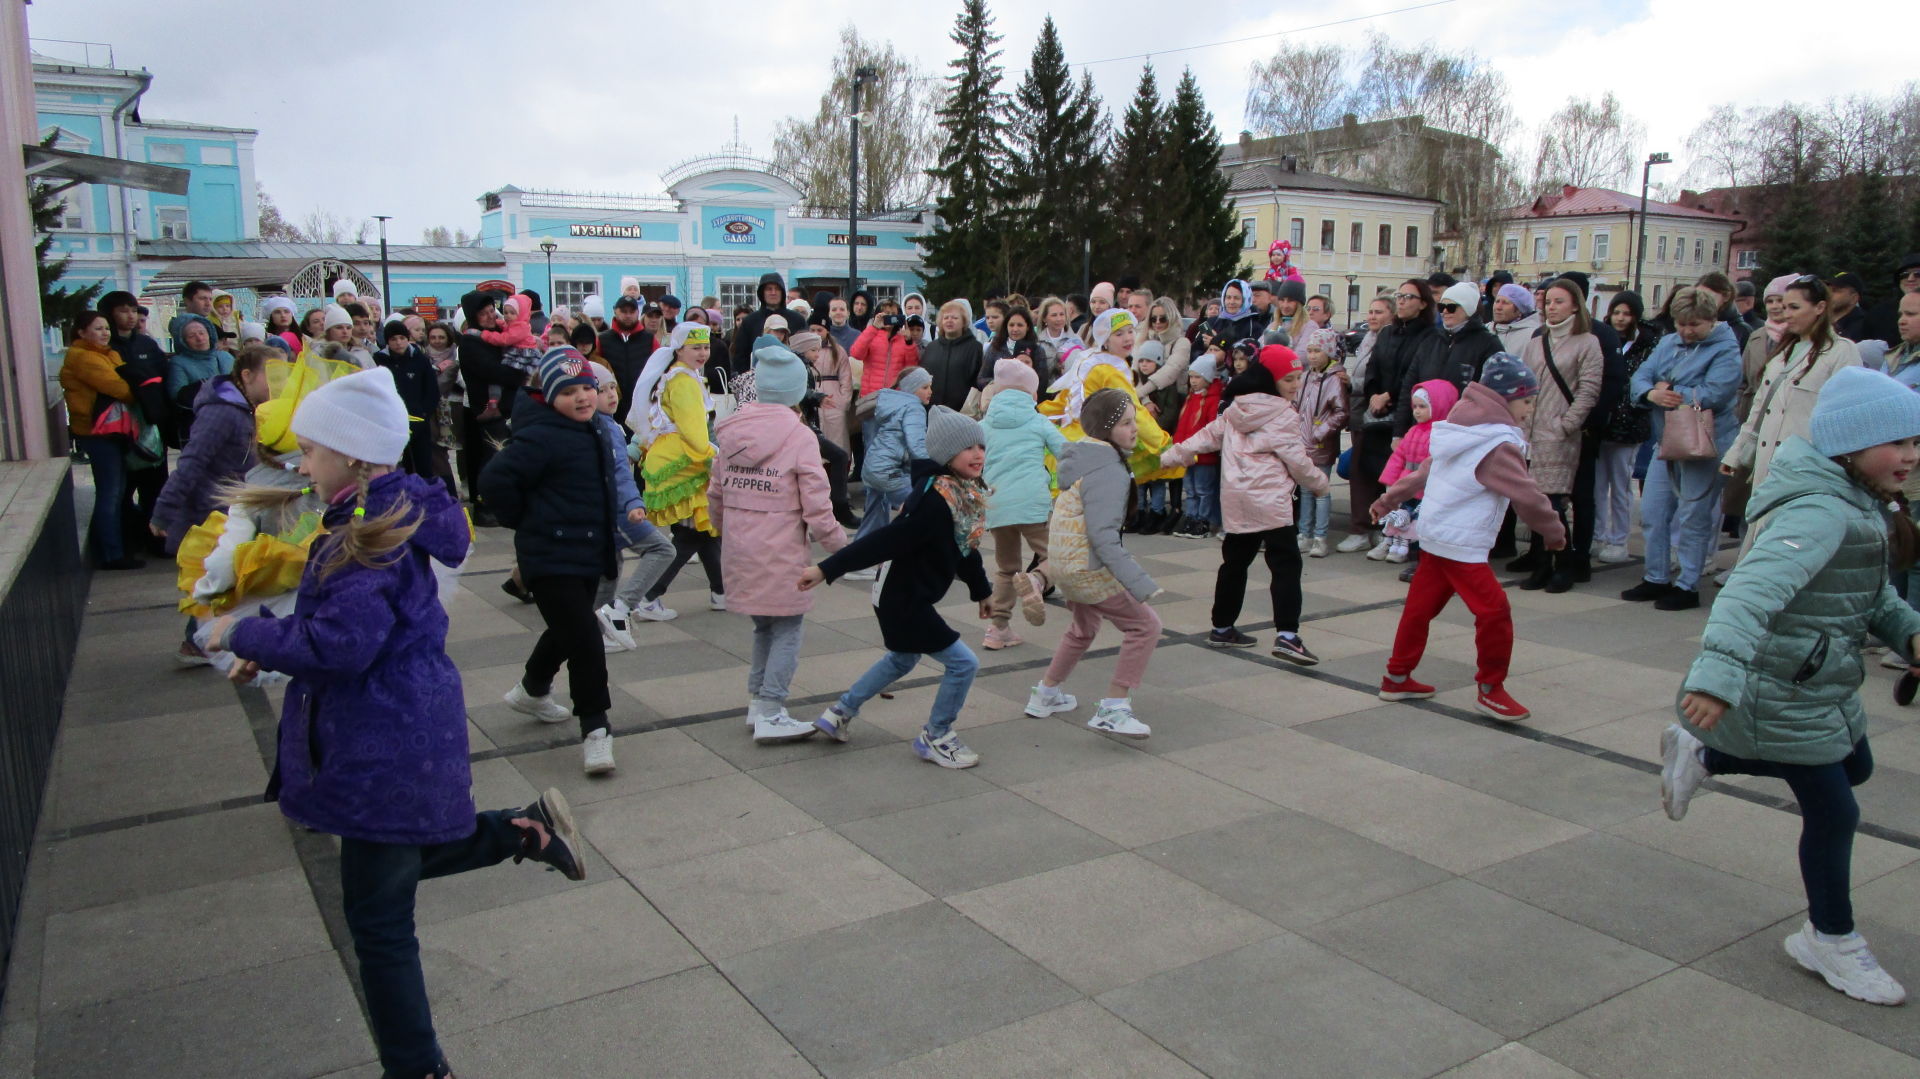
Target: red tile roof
[1572, 201]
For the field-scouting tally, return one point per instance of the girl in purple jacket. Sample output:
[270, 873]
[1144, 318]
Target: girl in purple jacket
[373, 735]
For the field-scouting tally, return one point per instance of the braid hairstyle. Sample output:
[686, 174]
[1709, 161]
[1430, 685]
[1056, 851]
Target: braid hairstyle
[373, 542]
[1903, 537]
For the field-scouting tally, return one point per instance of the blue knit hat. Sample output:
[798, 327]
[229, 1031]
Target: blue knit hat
[1509, 376]
[563, 367]
[1859, 408]
[779, 378]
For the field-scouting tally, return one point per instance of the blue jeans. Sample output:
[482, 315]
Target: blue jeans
[377, 883]
[1680, 509]
[1203, 493]
[1829, 814]
[881, 503]
[1154, 494]
[1315, 510]
[960, 665]
[108, 458]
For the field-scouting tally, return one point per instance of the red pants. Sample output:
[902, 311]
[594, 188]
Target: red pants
[1436, 582]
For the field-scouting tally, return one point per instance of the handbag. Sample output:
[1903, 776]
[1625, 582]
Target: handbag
[1688, 435]
[1738, 489]
[117, 420]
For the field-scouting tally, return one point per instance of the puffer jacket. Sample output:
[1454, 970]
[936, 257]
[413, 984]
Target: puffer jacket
[883, 356]
[1262, 443]
[220, 452]
[1462, 354]
[1323, 405]
[954, 363]
[768, 495]
[899, 438]
[1018, 440]
[552, 483]
[1105, 482]
[1416, 445]
[1555, 431]
[1782, 644]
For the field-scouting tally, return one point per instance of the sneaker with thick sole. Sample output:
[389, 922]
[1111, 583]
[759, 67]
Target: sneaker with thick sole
[1303, 542]
[596, 752]
[1680, 599]
[1032, 590]
[191, 655]
[1614, 554]
[549, 836]
[716, 601]
[1397, 554]
[1406, 574]
[609, 645]
[775, 727]
[654, 611]
[1406, 689]
[1356, 542]
[1293, 650]
[1846, 964]
[1118, 719]
[1499, 704]
[753, 713]
[834, 725]
[1231, 637]
[1318, 548]
[1720, 579]
[613, 626]
[1681, 772]
[1380, 551]
[1646, 591]
[947, 751]
[1041, 704]
[545, 709]
[999, 637]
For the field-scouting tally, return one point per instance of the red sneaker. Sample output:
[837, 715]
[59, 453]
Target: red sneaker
[1499, 704]
[1404, 690]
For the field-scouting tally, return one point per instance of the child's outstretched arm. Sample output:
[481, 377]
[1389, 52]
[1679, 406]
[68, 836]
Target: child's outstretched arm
[1407, 486]
[1205, 440]
[341, 637]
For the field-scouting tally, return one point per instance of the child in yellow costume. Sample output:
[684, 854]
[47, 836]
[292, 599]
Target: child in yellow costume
[1104, 366]
[669, 418]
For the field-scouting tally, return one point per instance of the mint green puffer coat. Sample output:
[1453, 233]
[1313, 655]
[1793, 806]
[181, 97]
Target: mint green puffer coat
[1782, 645]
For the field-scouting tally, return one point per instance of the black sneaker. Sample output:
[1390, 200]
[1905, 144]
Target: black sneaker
[548, 836]
[1678, 599]
[1646, 591]
[1293, 650]
[1231, 637]
[1904, 689]
[513, 588]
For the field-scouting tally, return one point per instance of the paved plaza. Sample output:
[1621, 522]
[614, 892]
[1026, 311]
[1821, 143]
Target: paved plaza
[1290, 878]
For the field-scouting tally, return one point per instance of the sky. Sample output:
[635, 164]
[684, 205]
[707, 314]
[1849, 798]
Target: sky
[415, 109]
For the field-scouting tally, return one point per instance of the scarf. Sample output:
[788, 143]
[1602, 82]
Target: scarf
[967, 501]
[442, 357]
[1775, 330]
[1562, 329]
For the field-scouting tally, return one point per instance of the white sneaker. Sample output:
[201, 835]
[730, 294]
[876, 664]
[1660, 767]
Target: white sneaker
[596, 752]
[753, 713]
[655, 611]
[1045, 701]
[1356, 542]
[1304, 541]
[1681, 772]
[1380, 550]
[1118, 719]
[1846, 964]
[1397, 553]
[716, 601]
[946, 751]
[834, 725]
[545, 709]
[1614, 553]
[1892, 661]
[609, 645]
[871, 573]
[777, 726]
[613, 627]
[1318, 548]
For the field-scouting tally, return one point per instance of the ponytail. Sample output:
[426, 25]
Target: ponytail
[373, 542]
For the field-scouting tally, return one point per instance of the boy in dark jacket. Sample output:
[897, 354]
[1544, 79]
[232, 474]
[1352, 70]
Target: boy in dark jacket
[419, 386]
[552, 485]
[935, 538]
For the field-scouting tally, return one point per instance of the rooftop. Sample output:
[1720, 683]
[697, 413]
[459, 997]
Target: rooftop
[1287, 176]
[1571, 201]
[270, 249]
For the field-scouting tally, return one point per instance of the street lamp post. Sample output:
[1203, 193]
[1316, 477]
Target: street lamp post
[861, 77]
[1640, 247]
[549, 247]
[1353, 298]
[386, 287]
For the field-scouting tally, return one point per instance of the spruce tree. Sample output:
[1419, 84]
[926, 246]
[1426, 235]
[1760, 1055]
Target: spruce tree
[967, 251]
[59, 305]
[1793, 235]
[1141, 172]
[1055, 175]
[1202, 239]
[1865, 240]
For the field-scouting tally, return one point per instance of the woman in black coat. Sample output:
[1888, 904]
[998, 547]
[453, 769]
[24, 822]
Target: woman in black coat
[1413, 338]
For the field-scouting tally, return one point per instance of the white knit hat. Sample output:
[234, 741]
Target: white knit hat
[336, 316]
[359, 415]
[344, 287]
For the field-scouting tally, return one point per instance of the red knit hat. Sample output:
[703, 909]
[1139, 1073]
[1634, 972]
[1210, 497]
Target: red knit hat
[1279, 360]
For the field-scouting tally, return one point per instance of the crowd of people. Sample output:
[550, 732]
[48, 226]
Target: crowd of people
[324, 458]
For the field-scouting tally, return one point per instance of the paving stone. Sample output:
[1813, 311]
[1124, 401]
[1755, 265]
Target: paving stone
[1285, 1007]
[134, 787]
[873, 993]
[1634, 1036]
[1079, 1041]
[1142, 800]
[1889, 900]
[1285, 697]
[150, 859]
[1511, 1061]
[1500, 962]
[648, 761]
[1753, 841]
[867, 782]
[1034, 749]
[641, 831]
[974, 842]
[1760, 964]
[1110, 921]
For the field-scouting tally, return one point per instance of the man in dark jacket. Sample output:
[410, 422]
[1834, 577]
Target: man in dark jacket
[483, 367]
[773, 301]
[144, 367]
[1468, 344]
[1883, 322]
[1843, 306]
[625, 345]
[419, 387]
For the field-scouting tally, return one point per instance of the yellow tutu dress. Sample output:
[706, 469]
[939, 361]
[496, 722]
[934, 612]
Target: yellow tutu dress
[1095, 371]
[680, 458]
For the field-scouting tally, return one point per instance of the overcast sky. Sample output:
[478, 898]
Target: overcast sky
[414, 109]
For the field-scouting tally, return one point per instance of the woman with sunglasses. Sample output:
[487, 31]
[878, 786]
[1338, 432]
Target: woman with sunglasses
[1165, 325]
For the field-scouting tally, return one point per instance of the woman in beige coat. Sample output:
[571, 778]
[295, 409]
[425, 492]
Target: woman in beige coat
[1179, 350]
[1569, 388]
[1808, 354]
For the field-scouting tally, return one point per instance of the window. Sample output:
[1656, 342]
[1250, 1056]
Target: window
[1602, 245]
[1297, 233]
[1248, 237]
[170, 223]
[1356, 237]
[1679, 249]
[1353, 299]
[883, 292]
[1539, 249]
[1657, 289]
[1748, 259]
[216, 155]
[1326, 235]
[1662, 251]
[1570, 247]
[167, 153]
[1511, 253]
[735, 293]
[1386, 239]
[570, 291]
[1327, 291]
[73, 216]
[1699, 252]
[1716, 254]
[1413, 241]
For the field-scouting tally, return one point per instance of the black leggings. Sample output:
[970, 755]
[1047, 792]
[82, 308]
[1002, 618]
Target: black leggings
[1828, 816]
[573, 638]
[1283, 563]
[687, 542]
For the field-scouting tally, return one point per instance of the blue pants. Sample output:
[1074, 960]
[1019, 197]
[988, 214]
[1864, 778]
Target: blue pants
[960, 665]
[1154, 496]
[108, 459]
[1680, 509]
[1203, 493]
[1315, 510]
[1828, 816]
[880, 506]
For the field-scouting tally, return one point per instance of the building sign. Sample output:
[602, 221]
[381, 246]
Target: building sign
[427, 307]
[611, 232]
[839, 239]
[739, 228]
[507, 287]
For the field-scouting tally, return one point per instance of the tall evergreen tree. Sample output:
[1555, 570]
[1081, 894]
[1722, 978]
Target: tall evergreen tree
[1793, 235]
[1141, 172]
[968, 250]
[1202, 237]
[59, 305]
[1867, 236]
[1055, 177]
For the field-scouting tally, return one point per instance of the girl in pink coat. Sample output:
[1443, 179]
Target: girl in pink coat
[1432, 401]
[771, 489]
[1262, 443]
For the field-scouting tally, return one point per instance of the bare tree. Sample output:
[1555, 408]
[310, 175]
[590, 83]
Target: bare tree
[899, 141]
[1588, 144]
[1721, 151]
[1298, 90]
[274, 226]
[328, 227]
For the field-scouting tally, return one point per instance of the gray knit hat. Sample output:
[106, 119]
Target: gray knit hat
[948, 433]
[1103, 411]
[1509, 376]
[915, 378]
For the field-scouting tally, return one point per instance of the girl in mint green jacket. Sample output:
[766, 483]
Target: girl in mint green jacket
[1775, 689]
